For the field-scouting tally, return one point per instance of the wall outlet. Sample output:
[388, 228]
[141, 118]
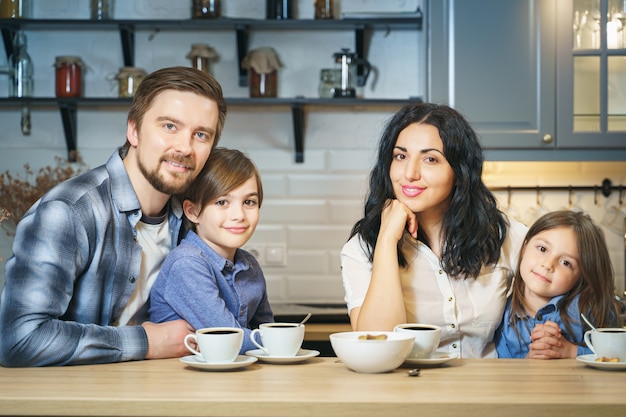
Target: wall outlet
[268, 254]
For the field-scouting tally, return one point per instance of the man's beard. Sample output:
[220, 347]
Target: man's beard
[177, 185]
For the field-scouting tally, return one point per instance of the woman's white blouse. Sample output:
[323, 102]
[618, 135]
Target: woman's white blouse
[468, 310]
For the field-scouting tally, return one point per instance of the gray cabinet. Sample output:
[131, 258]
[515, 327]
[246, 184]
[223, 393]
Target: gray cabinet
[508, 66]
[494, 61]
[591, 78]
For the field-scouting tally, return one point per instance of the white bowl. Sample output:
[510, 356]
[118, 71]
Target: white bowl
[372, 356]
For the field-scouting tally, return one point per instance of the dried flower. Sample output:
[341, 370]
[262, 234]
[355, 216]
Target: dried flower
[18, 194]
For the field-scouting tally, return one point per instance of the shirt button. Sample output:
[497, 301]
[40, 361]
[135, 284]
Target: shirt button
[452, 325]
[450, 299]
[539, 317]
[132, 280]
[440, 271]
[454, 345]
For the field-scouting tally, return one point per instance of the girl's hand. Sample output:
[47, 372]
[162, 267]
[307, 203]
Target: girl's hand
[396, 217]
[548, 343]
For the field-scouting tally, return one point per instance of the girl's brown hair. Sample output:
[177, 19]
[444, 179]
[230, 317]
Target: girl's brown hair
[225, 170]
[596, 285]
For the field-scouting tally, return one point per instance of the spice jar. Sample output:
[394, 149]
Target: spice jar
[200, 56]
[323, 9]
[262, 65]
[129, 79]
[206, 9]
[69, 76]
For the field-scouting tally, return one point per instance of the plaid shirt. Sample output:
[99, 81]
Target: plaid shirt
[75, 261]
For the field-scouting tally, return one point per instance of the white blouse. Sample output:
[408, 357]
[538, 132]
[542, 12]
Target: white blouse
[468, 310]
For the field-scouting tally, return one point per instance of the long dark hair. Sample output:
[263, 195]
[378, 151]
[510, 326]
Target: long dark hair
[473, 227]
[596, 285]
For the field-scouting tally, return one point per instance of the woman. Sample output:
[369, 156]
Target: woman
[432, 246]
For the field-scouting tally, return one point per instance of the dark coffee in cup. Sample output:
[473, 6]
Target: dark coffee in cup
[418, 328]
[281, 325]
[218, 332]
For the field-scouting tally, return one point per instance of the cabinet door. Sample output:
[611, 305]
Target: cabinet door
[494, 61]
[591, 104]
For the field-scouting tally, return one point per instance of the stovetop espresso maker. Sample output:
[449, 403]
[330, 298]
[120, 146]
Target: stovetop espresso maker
[348, 63]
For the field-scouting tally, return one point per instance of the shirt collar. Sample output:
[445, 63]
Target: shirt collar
[218, 260]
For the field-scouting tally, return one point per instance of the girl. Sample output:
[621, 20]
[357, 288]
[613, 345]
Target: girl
[208, 280]
[433, 246]
[564, 270]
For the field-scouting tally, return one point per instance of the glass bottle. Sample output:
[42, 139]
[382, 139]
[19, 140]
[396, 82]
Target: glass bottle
[279, 9]
[20, 69]
[15, 9]
[206, 9]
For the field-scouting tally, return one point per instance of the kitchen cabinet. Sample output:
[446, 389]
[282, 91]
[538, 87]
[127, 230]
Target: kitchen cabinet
[591, 78]
[515, 70]
[362, 28]
[494, 61]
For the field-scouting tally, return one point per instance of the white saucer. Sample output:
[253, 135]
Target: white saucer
[436, 358]
[591, 361]
[240, 362]
[301, 356]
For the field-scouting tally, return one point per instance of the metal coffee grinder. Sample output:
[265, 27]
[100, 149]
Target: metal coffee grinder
[346, 63]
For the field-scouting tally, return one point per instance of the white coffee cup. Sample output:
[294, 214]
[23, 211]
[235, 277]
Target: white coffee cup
[427, 338]
[216, 344]
[607, 342]
[279, 339]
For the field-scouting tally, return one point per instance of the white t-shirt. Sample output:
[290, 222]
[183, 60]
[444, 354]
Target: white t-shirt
[468, 310]
[154, 237]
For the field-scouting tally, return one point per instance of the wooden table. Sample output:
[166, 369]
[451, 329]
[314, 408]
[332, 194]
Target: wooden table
[317, 387]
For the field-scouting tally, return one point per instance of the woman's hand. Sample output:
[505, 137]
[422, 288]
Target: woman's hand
[395, 219]
[547, 342]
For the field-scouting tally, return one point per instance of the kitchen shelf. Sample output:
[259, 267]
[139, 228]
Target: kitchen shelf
[242, 27]
[69, 106]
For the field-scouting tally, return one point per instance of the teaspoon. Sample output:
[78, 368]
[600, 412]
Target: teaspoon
[588, 322]
[304, 320]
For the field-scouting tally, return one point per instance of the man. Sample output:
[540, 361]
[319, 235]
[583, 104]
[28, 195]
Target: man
[86, 254]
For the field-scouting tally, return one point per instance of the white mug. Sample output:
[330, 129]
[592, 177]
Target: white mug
[607, 342]
[217, 344]
[279, 339]
[427, 338]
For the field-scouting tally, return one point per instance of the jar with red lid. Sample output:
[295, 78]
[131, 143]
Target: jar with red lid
[69, 76]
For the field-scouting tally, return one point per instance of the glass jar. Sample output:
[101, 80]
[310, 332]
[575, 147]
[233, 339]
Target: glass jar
[129, 79]
[328, 82]
[323, 9]
[263, 84]
[69, 76]
[201, 55]
[15, 9]
[102, 9]
[206, 9]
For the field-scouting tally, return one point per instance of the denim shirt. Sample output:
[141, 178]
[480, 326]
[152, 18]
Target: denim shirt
[198, 285]
[74, 266]
[510, 345]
